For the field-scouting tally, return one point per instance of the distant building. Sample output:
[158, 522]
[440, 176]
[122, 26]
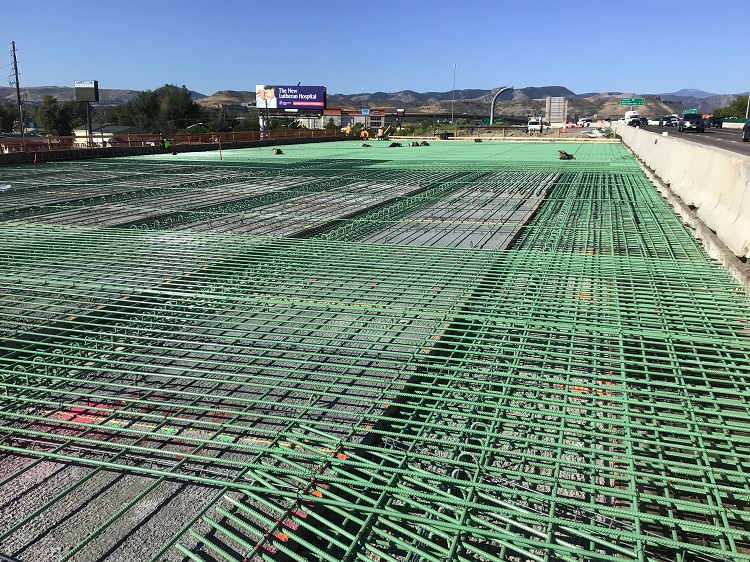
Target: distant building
[104, 134]
[343, 117]
[556, 112]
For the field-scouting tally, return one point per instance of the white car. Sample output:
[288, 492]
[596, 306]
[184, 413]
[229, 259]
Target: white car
[534, 126]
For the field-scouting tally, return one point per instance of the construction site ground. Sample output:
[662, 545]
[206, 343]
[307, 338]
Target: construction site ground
[465, 351]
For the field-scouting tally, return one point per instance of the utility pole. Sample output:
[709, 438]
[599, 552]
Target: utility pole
[18, 91]
[453, 92]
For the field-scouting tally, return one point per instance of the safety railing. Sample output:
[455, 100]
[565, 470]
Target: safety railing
[97, 140]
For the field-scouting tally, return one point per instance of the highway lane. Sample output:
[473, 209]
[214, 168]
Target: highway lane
[728, 139]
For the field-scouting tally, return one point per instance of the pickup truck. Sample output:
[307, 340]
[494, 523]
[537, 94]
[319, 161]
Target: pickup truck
[534, 125]
[691, 122]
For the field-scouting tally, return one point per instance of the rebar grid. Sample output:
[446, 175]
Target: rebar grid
[582, 394]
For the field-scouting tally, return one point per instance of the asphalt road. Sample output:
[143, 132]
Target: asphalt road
[728, 139]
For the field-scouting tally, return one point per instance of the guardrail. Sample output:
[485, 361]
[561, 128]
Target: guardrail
[11, 145]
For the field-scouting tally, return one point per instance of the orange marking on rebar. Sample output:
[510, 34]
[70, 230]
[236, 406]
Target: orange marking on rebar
[71, 318]
[342, 456]
[317, 494]
[282, 536]
[100, 306]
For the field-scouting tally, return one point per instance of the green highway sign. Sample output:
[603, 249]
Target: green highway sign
[691, 110]
[631, 101]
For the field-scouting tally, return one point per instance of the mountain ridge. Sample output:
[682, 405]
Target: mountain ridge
[518, 101]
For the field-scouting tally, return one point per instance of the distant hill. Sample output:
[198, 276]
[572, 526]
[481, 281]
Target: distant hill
[474, 102]
[63, 93]
[704, 102]
[686, 93]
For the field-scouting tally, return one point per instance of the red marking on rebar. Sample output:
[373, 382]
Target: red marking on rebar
[313, 278]
[100, 306]
[342, 456]
[282, 536]
[436, 289]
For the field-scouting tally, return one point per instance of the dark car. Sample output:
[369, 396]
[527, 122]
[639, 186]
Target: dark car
[691, 122]
[668, 121]
[714, 122]
[644, 121]
[746, 131]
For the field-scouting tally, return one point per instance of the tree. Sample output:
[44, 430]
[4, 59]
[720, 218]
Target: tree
[735, 109]
[8, 116]
[165, 110]
[52, 118]
[220, 121]
[331, 126]
[46, 115]
[249, 123]
[77, 112]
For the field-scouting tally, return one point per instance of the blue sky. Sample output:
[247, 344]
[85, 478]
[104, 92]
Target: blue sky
[636, 46]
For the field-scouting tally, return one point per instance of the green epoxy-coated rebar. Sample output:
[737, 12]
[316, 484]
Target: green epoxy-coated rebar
[539, 364]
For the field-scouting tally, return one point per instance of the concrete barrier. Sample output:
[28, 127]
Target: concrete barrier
[713, 181]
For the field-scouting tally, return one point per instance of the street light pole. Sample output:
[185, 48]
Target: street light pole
[453, 92]
[747, 109]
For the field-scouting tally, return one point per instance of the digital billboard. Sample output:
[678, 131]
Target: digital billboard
[290, 97]
[87, 90]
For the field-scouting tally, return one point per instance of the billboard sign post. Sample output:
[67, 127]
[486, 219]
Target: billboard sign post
[87, 91]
